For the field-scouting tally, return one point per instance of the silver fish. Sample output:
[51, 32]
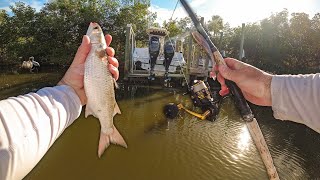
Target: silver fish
[99, 88]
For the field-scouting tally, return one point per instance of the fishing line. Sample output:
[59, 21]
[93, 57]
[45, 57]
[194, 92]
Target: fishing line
[170, 20]
[174, 10]
[184, 76]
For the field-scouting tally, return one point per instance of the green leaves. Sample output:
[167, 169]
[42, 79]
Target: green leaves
[281, 43]
[54, 34]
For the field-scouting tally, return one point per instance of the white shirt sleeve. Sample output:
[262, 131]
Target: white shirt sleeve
[297, 98]
[30, 124]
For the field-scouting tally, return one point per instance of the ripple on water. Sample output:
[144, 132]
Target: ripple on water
[183, 148]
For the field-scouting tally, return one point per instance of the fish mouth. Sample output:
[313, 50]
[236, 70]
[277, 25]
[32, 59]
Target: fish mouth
[95, 27]
[94, 32]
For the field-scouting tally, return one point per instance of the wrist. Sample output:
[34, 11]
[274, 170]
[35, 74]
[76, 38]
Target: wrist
[77, 92]
[267, 86]
[61, 82]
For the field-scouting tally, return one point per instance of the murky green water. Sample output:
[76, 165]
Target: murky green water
[183, 148]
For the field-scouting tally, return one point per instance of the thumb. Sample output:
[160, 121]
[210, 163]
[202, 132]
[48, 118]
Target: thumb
[227, 73]
[83, 51]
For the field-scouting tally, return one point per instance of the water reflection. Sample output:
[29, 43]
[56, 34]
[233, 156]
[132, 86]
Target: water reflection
[182, 148]
[159, 126]
[243, 139]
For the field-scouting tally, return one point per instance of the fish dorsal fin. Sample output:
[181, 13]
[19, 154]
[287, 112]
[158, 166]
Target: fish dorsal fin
[116, 109]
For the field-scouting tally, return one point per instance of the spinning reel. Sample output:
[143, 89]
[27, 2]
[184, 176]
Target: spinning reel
[201, 97]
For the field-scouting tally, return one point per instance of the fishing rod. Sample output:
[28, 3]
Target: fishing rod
[239, 99]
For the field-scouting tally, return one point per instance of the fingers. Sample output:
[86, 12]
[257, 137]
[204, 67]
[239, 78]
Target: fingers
[233, 63]
[224, 89]
[224, 72]
[231, 72]
[110, 51]
[108, 39]
[215, 68]
[227, 73]
[113, 61]
[221, 79]
[82, 52]
[114, 71]
[213, 75]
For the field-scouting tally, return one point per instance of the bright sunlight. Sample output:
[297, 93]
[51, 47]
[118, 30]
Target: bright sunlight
[237, 12]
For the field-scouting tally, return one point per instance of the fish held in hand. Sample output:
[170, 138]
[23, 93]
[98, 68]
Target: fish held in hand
[99, 88]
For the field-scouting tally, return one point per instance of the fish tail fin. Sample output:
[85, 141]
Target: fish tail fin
[113, 137]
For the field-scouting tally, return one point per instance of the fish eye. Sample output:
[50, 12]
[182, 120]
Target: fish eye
[96, 27]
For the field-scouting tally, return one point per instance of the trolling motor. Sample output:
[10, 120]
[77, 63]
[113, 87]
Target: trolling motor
[201, 97]
[168, 55]
[154, 49]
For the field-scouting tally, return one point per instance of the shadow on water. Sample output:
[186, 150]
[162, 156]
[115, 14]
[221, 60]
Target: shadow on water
[159, 126]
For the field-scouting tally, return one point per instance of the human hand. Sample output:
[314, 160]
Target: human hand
[75, 74]
[254, 83]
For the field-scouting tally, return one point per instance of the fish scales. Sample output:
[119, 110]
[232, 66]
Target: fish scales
[99, 88]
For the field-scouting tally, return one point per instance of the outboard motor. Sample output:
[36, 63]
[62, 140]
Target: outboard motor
[168, 55]
[154, 49]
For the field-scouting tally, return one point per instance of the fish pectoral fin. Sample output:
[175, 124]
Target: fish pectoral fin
[105, 61]
[114, 137]
[116, 109]
[101, 53]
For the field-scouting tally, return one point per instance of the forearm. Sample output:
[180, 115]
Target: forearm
[297, 98]
[30, 124]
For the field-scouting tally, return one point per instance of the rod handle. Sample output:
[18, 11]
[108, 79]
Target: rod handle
[240, 102]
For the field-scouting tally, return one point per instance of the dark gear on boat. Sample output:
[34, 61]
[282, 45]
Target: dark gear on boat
[154, 49]
[168, 56]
